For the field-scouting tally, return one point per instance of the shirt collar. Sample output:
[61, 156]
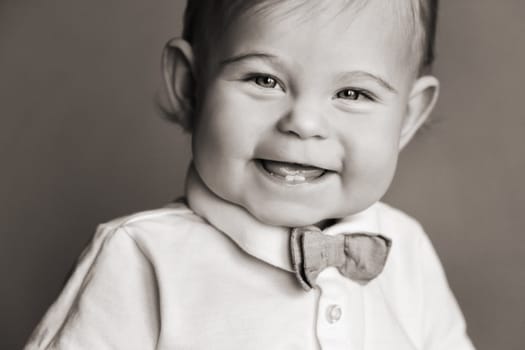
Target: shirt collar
[267, 243]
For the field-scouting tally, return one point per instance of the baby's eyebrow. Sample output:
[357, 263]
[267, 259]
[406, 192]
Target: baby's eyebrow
[359, 74]
[251, 55]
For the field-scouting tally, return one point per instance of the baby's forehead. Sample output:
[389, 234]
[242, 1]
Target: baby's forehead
[381, 21]
[396, 17]
[402, 11]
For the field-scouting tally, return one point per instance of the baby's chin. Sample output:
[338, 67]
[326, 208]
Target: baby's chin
[290, 217]
[299, 215]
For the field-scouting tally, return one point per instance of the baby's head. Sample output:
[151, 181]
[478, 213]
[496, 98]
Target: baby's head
[298, 109]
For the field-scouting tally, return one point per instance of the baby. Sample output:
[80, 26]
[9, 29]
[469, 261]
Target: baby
[298, 111]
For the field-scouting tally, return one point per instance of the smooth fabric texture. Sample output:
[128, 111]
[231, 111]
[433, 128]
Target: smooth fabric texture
[172, 279]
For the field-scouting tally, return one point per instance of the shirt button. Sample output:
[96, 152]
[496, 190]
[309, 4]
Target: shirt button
[333, 313]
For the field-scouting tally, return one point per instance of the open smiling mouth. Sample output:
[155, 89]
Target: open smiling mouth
[291, 173]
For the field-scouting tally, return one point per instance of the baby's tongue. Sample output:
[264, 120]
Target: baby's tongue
[292, 169]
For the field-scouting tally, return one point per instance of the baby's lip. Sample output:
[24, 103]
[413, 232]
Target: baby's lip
[292, 172]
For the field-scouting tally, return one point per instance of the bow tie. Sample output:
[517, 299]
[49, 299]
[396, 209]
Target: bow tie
[358, 256]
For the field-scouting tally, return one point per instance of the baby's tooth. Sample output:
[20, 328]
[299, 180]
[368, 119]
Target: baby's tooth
[300, 178]
[295, 178]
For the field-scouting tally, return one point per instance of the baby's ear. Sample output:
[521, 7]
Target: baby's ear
[421, 101]
[179, 81]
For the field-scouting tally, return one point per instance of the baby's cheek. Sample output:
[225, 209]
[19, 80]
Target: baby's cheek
[384, 173]
[371, 170]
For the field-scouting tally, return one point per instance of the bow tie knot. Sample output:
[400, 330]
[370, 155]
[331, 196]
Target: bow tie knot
[358, 256]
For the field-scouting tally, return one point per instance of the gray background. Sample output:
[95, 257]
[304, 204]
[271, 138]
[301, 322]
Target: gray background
[81, 143]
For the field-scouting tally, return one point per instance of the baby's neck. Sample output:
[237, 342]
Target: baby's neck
[325, 223]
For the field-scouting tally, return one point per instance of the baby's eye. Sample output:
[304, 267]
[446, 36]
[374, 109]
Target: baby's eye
[265, 81]
[353, 94]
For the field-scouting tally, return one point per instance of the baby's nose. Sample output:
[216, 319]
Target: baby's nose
[304, 121]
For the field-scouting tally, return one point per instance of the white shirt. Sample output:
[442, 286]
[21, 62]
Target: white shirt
[172, 279]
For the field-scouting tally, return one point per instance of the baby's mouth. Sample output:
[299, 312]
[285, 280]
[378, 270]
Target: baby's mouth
[291, 173]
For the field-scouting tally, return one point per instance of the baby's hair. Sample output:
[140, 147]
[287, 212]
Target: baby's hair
[206, 20]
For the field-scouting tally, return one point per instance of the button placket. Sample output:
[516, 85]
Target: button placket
[340, 312]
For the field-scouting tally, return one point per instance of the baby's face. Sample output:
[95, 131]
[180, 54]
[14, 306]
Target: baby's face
[301, 114]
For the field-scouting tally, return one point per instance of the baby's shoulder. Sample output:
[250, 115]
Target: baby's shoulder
[172, 215]
[172, 225]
